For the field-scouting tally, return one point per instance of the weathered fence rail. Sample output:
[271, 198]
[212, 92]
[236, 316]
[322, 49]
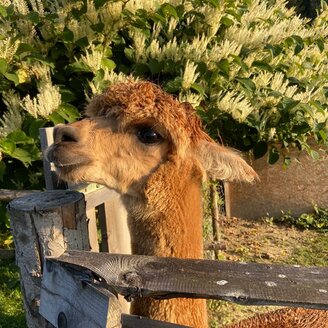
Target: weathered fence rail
[136, 276]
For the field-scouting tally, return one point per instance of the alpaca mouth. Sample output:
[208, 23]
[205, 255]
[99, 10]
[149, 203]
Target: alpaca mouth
[62, 158]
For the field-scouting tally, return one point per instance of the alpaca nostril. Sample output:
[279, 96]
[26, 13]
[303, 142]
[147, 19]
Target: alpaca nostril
[64, 133]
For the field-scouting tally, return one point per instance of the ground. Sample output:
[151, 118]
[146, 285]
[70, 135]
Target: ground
[241, 240]
[263, 241]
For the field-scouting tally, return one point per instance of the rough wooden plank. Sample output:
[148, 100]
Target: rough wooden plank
[98, 197]
[40, 230]
[115, 232]
[71, 298]
[114, 228]
[93, 230]
[133, 321]
[7, 195]
[51, 178]
[244, 283]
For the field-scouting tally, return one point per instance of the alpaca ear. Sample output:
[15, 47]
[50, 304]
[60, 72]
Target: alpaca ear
[223, 163]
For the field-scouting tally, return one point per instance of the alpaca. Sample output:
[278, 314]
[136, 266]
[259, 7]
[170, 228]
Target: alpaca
[141, 142]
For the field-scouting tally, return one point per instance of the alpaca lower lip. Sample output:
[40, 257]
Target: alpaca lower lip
[63, 159]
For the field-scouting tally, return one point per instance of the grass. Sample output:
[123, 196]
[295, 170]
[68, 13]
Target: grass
[11, 304]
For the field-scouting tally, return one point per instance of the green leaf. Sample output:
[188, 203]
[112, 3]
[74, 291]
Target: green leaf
[321, 44]
[226, 21]
[41, 59]
[299, 44]
[99, 27]
[34, 17]
[22, 155]
[260, 149]
[301, 128]
[7, 146]
[10, 10]
[168, 10]
[323, 135]
[55, 118]
[262, 65]
[129, 53]
[67, 95]
[314, 154]
[68, 112]
[79, 67]
[140, 69]
[3, 66]
[247, 83]
[67, 35]
[214, 3]
[99, 3]
[156, 17]
[197, 87]
[241, 63]
[19, 137]
[33, 129]
[83, 42]
[155, 66]
[173, 85]
[288, 104]
[274, 49]
[224, 66]
[3, 11]
[12, 77]
[24, 47]
[273, 156]
[108, 63]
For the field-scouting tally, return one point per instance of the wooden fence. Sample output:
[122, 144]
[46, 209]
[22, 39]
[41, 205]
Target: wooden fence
[65, 285]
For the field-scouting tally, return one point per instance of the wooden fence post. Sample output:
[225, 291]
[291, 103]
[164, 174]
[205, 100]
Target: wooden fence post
[45, 224]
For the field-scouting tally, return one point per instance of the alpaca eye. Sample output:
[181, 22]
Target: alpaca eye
[149, 136]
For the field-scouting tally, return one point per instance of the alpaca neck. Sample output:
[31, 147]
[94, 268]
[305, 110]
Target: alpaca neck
[168, 224]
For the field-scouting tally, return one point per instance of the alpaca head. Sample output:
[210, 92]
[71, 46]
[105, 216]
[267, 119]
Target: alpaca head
[130, 131]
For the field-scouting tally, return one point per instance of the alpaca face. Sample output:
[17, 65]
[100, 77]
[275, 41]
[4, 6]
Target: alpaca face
[100, 150]
[132, 130]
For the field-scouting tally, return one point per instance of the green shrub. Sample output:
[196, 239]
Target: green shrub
[317, 220]
[255, 71]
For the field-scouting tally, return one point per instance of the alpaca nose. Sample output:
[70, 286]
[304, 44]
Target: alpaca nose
[65, 133]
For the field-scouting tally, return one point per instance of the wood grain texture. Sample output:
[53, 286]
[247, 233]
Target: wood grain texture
[92, 230]
[72, 297]
[40, 229]
[244, 283]
[51, 178]
[7, 195]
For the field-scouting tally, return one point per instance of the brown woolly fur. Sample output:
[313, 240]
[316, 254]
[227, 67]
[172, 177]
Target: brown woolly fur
[144, 101]
[287, 318]
[146, 145]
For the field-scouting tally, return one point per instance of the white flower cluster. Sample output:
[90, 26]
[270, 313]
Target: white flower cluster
[235, 104]
[48, 98]
[45, 102]
[11, 119]
[8, 48]
[110, 77]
